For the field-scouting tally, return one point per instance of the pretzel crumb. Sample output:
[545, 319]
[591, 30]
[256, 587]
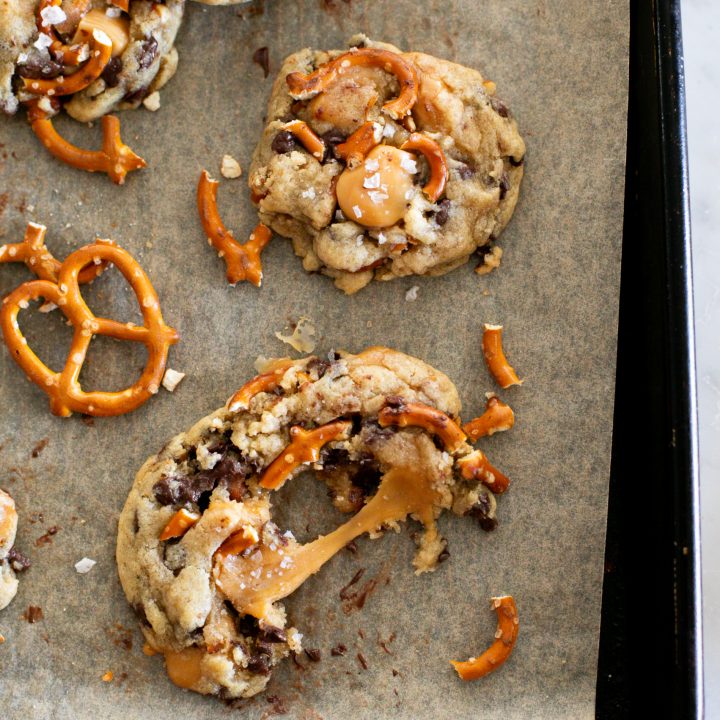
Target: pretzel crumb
[301, 337]
[172, 379]
[85, 565]
[230, 167]
[152, 101]
[108, 676]
[412, 293]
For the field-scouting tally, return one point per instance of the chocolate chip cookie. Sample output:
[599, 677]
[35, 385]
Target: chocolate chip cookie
[380, 164]
[199, 556]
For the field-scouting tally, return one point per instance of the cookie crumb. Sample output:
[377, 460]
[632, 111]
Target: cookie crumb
[108, 676]
[47, 307]
[302, 336]
[85, 565]
[489, 260]
[172, 379]
[412, 293]
[230, 167]
[152, 101]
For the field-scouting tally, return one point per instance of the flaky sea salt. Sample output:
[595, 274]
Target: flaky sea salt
[412, 293]
[358, 212]
[372, 165]
[408, 165]
[372, 182]
[309, 193]
[85, 565]
[52, 15]
[43, 41]
[230, 167]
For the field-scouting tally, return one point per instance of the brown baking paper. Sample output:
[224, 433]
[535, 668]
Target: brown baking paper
[562, 67]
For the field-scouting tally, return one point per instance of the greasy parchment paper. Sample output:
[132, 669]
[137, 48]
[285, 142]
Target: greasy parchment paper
[562, 66]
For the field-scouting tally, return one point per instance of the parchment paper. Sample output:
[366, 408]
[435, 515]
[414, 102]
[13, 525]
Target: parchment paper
[562, 67]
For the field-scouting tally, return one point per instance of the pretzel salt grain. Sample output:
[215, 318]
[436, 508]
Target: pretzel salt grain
[33, 252]
[307, 138]
[304, 448]
[100, 52]
[179, 524]
[476, 466]
[303, 86]
[238, 542]
[359, 144]
[63, 388]
[498, 416]
[499, 651]
[435, 157]
[116, 159]
[242, 261]
[402, 414]
[261, 383]
[497, 363]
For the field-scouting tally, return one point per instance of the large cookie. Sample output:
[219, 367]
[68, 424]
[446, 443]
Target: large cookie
[198, 554]
[379, 220]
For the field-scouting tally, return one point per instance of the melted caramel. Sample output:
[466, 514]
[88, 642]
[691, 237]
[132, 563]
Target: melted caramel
[183, 667]
[253, 583]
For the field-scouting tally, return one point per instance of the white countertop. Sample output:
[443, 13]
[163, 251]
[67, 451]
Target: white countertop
[701, 22]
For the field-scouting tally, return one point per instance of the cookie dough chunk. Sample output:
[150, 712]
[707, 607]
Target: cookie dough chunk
[199, 556]
[8, 528]
[143, 56]
[430, 184]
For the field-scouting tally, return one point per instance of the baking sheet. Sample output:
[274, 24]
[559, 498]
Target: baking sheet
[562, 67]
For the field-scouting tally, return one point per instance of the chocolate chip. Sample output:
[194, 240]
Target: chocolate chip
[338, 650]
[259, 664]
[272, 634]
[443, 556]
[17, 560]
[283, 142]
[499, 107]
[313, 654]
[516, 163]
[465, 172]
[320, 366]
[136, 96]
[38, 67]
[480, 511]
[332, 138]
[443, 213]
[261, 57]
[504, 185]
[111, 72]
[334, 458]
[139, 610]
[395, 402]
[147, 52]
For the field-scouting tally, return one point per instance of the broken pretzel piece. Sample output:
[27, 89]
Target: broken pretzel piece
[307, 138]
[476, 466]
[115, 159]
[497, 363]
[33, 252]
[239, 541]
[498, 416]
[242, 261]
[304, 448]
[502, 647]
[401, 414]
[302, 86]
[179, 524]
[66, 54]
[359, 144]
[266, 382]
[437, 161]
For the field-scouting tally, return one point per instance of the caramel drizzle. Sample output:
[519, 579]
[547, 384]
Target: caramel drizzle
[252, 585]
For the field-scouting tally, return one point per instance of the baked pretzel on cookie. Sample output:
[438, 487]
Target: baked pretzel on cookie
[421, 168]
[199, 556]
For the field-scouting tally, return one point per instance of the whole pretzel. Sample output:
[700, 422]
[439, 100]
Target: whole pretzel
[66, 394]
[436, 159]
[303, 86]
[242, 261]
[116, 159]
[100, 52]
[33, 252]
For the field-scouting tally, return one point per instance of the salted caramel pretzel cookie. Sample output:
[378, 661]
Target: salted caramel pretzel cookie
[380, 164]
[199, 556]
[11, 561]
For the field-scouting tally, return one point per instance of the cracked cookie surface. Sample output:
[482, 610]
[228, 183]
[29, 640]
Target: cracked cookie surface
[382, 225]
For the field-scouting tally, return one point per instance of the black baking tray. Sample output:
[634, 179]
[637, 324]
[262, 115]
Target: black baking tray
[650, 661]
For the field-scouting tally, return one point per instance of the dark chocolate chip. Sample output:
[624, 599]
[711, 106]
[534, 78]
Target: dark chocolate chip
[17, 560]
[332, 138]
[259, 664]
[147, 52]
[136, 96]
[516, 163]
[37, 67]
[395, 402]
[465, 172]
[338, 650]
[261, 57]
[139, 610]
[443, 556]
[272, 634]
[480, 511]
[499, 107]
[320, 366]
[111, 72]
[313, 654]
[504, 185]
[441, 216]
[284, 142]
[334, 458]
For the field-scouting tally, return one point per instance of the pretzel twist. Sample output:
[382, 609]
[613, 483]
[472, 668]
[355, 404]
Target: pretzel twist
[304, 448]
[67, 54]
[402, 414]
[242, 261]
[100, 52]
[33, 252]
[359, 144]
[497, 363]
[66, 394]
[115, 159]
[307, 138]
[501, 648]
[437, 161]
[302, 87]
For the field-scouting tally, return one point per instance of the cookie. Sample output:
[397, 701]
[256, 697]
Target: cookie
[8, 528]
[199, 556]
[380, 164]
